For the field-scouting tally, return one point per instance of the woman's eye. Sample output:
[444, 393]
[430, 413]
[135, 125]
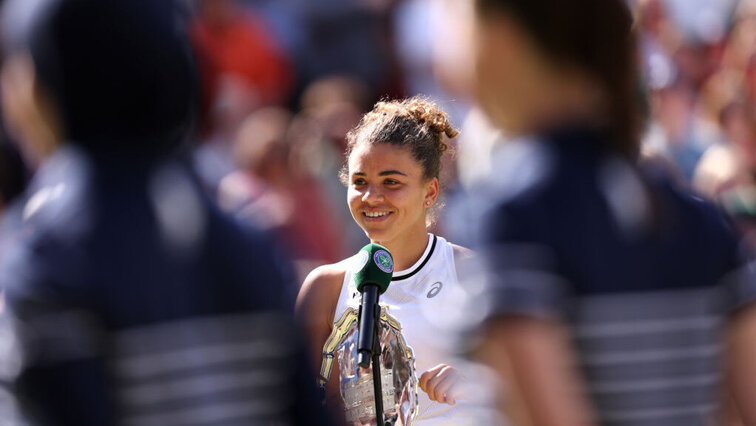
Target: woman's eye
[358, 182]
[391, 182]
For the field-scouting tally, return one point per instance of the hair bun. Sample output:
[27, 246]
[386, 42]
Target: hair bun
[425, 112]
[428, 113]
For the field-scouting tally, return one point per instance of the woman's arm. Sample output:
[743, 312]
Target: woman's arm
[314, 310]
[534, 358]
[741, 354]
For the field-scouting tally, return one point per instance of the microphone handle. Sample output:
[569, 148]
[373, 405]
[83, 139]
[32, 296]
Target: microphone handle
[368, 321]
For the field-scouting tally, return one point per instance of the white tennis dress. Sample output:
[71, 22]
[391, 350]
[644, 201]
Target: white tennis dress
[419, 298]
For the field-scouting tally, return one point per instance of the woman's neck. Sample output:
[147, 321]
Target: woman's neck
[407, 248]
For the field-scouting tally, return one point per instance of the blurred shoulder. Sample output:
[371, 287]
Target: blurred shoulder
[463, 258]
[529, 177]
[37, 265]
[703, 217]
[462, 253]
[685, 201]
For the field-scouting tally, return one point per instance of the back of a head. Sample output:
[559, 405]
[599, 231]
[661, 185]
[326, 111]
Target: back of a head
[120, 72]
[596, 37]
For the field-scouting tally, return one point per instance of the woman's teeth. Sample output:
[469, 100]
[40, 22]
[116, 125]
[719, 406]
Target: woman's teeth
[375, 214]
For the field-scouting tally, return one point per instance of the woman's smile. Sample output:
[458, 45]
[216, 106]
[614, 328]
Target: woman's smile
[376, 216]
[387, 191]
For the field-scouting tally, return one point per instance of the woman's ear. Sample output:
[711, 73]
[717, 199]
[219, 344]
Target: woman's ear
[431, 192]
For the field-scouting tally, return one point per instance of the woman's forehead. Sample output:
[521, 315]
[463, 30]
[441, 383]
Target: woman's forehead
[374, 158]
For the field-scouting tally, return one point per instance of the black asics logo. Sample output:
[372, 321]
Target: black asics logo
[435, 289]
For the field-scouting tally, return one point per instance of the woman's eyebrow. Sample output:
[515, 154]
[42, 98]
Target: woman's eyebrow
[383, 173]
[391, 172]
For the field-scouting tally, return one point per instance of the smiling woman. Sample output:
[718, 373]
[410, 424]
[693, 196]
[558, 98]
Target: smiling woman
[392, 178]
[409, 134]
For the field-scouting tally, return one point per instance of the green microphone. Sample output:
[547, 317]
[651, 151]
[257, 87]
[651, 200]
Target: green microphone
[372, 277]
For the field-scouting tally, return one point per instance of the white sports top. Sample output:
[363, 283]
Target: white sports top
[417, 297]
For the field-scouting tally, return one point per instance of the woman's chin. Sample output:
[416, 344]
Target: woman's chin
[376, 235]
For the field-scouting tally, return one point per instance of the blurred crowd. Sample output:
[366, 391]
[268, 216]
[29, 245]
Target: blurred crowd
[283, 81]
[274, 128]
[700, 70]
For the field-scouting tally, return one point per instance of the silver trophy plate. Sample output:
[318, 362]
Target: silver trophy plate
[398, 378]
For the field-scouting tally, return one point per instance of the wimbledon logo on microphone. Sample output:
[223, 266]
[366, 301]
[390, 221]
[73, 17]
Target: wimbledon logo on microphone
[383, 261]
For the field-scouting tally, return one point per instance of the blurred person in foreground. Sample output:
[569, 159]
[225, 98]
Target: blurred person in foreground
[612, 297]
[13, 180]
[13, 176]
[131, 299]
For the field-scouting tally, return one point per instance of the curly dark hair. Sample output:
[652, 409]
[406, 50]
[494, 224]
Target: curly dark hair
[416, 124]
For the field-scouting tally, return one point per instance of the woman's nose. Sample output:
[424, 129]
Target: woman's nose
[372, 195]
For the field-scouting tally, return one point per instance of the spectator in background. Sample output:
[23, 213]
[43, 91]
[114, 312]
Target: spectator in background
[727, 171]
[242, 68]
[740, 45]
[676, 63]
[340, 37]
[132, 299]
[679, 132]
[330, 107]
[731, 163]
[432, 45]
[614, 297]
[273, 190]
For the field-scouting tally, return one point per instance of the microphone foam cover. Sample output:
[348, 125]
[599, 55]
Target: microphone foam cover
[374, 266]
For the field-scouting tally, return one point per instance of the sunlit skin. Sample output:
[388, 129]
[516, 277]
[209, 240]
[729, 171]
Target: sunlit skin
[385, 180]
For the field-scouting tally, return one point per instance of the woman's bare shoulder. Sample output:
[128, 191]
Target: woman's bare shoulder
[327, 275]
[320, 290]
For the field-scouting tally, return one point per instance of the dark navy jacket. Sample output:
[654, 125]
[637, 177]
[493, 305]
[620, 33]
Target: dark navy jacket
[644, 273]
[133, 300]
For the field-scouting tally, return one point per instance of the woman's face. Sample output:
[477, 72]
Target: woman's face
[387, 192]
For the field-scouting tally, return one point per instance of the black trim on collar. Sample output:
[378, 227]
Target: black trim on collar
[427, 258]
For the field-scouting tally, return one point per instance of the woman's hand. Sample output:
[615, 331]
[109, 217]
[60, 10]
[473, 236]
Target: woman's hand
[441, 383]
